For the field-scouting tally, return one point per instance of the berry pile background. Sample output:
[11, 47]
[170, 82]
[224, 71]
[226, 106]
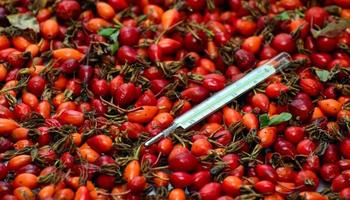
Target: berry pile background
[83, 84]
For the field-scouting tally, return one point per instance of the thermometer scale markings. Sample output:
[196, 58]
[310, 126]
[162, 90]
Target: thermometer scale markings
[224, 96]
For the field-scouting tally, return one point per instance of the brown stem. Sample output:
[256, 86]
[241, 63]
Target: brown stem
[119, 109]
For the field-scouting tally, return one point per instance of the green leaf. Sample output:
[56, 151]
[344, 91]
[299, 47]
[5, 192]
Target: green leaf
[114, 48]
[111, 33]
[114, 36]
[283, 16]
[107, 32]
[332, 29]
[282, 117]
[24, 21]
[322, 74]
[264, 120]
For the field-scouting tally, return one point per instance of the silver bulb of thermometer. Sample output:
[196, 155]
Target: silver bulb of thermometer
[225, 96]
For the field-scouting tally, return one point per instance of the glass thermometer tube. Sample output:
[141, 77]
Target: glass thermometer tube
[225, 96]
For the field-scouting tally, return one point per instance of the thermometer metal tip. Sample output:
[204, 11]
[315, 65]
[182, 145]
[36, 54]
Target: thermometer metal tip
[226, 95]
[164, 133]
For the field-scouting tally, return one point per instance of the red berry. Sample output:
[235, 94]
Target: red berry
[329, 171]
[195, 94]
[266, 172]
[345, 148]
[283, 42]
[210, 191]
[126, 54]
[125, 94]
[100, 87]
[137, 184]
[316, 16]
[306, 180]
[244, 59]
[181, 179]
[36, 85]
[181, 159]
[265, 187]
[68, 9]
[129, 36]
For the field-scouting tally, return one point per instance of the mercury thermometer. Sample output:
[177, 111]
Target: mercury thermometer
[225, 96]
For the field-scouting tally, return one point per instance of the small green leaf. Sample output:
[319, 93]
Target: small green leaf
[114, 36]
[111, 33]
[283, 16]
[275, 120]
[282, 117]
[114, 48]
[24, 21]
[106, 32]
[322, 74]
[264, 120]
[332, 29]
